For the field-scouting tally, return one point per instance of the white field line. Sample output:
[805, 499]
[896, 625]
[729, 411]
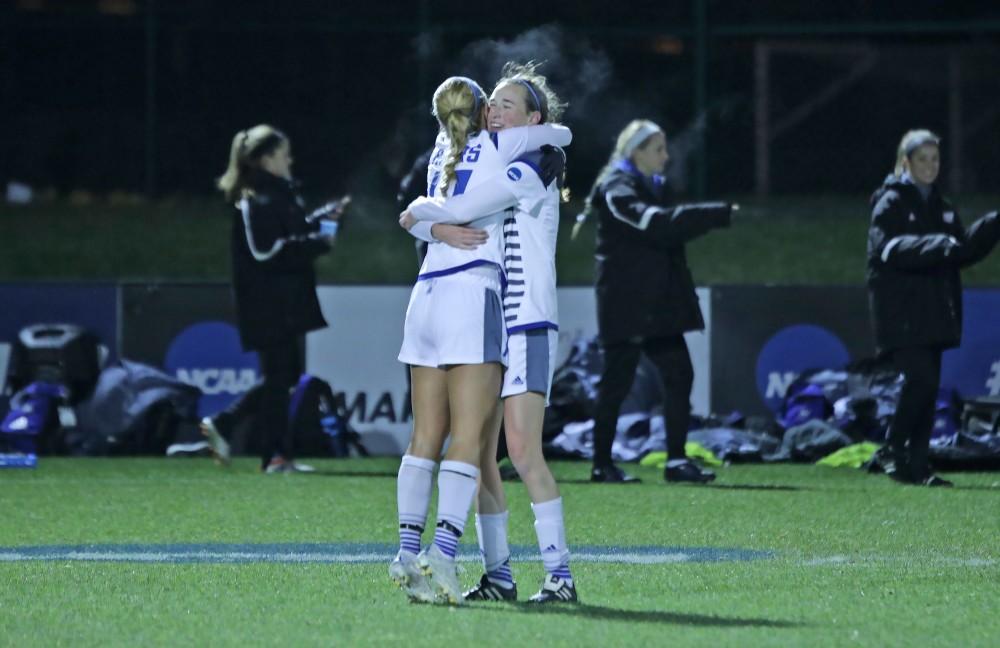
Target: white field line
[309, 557]
[668, 557]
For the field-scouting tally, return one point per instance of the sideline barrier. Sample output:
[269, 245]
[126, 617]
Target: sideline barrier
[757, 340]
[357, 354]
[764, 336]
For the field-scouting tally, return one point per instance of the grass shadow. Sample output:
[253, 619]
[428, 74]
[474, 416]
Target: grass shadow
[995, 489]
[756, 487]
[640, 616]
[323, 472]
[747, 487]
[587, 481]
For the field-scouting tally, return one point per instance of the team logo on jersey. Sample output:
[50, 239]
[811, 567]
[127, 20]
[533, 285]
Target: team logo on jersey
[912, 217]
[949, 217]
[514, 174]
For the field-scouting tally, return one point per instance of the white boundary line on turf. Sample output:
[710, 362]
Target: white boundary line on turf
[310, 557]
[243, 557]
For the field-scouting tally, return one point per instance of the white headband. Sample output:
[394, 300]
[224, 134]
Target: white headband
[639, 137]
[917, 142]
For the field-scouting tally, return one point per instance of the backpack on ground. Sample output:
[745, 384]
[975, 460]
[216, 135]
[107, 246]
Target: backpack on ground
[319, 421]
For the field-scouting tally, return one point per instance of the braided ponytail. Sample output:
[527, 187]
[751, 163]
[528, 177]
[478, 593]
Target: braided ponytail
[459, 105]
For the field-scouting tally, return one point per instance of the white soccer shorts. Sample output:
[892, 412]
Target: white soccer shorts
[531, 361]
[454, 319]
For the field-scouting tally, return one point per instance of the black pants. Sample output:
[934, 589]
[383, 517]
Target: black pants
[910, 431]
[673, 363]
[266, 403]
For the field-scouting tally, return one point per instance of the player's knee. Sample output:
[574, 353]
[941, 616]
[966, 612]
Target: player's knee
[525, 457]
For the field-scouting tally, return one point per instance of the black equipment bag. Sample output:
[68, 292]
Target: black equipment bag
[61, 354]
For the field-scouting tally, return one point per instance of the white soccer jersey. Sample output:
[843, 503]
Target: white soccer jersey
[530, 227]
[483, 159]
[530, 234]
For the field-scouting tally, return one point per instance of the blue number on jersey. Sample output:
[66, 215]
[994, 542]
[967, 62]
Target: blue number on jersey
[461, 180]
[472, 152]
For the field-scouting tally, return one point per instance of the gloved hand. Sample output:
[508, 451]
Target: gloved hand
[552, 165]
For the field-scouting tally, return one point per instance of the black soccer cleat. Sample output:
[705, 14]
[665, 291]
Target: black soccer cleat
[611, 474]
[688, 472]
[555, 590]
[487, 590]
[935, 481]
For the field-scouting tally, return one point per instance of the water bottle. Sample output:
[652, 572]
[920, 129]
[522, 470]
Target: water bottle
[328, 227]
[18, 460]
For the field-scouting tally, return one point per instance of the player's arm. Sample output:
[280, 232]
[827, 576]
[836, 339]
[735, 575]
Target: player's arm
[890, 244]
[487, 198]
[980, 238]
[660, 225]
[457, 236]
[512, 143]
[522, 179]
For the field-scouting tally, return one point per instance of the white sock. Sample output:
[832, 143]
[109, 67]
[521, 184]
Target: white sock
[552, 537]
[457, 483]
[413, 497]
[492, 531]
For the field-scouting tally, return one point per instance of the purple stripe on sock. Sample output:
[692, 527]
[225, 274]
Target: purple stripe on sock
[409, 540]
[502, 575]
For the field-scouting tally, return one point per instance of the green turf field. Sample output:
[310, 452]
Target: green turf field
[783, 555]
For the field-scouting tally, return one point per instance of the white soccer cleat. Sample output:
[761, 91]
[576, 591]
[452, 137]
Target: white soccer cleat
[407, 575]
[218, 445]
[442, 574]
[555, 590]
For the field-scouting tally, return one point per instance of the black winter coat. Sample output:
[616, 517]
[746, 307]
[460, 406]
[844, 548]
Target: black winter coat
[273, 245]
[916, 248]
[644, 286]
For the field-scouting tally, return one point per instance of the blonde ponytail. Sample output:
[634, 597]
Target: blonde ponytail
[244, 155]
[460, 107]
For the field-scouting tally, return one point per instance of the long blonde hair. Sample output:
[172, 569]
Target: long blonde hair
[911, 141]
[244, 156]
[460, 108]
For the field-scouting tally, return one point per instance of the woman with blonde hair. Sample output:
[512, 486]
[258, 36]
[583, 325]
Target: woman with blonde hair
[646, 298]
[273, 243]
[530, 188]
[917, 247]
[454, 340]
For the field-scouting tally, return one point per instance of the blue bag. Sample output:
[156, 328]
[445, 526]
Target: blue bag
[31, 414]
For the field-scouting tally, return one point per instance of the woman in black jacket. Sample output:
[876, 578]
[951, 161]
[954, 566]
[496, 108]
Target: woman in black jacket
[273, 243]
[916, 249]
[646, 298]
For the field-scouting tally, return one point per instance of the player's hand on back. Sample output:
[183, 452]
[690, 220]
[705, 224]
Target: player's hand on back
[458, 236]
[406, 220]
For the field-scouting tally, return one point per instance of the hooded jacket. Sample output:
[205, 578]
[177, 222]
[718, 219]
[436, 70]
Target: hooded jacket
[273, 245]
[644, 286]
[916, 249]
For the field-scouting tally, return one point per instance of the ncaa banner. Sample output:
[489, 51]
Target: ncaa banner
[973, 369]
[357, 353]
[189, 331]
[764, 337]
